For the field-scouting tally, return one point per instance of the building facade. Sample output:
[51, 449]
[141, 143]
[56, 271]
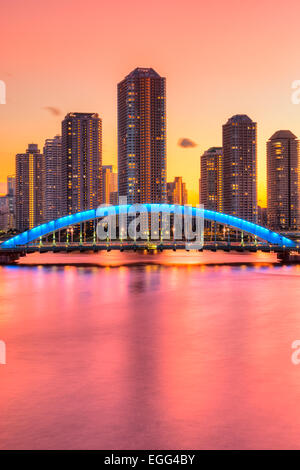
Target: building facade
[239, 167]
[177, 192]
[211, 182]
[283, 181]
[29, 188]
[142, 137]
[109, 184]
[53, 178]
[262, 218]
[4, 213]
[11, 194]
[81, 162]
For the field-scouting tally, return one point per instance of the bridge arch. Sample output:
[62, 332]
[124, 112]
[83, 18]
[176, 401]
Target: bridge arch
[45, 229]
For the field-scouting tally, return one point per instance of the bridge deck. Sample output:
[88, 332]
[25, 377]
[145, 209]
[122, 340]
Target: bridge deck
[125, 246]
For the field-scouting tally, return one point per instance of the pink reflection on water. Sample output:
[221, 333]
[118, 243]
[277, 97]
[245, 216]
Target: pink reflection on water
[149, 356]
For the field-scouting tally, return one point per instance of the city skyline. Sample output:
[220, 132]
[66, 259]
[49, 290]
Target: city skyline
[68, 177]
[192, 198]
[193, 191]
[199, 101]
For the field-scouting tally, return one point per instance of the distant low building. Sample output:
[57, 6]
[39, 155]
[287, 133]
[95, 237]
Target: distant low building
[109, 184]
[11, 195]
[4, 213]
[114, 200]
[262, 216]
[211, 182]
[177, 192]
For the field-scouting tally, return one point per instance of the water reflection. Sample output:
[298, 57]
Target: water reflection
[175, 354]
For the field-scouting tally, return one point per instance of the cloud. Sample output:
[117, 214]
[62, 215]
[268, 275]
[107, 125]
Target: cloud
[52, 110]
[186, 143]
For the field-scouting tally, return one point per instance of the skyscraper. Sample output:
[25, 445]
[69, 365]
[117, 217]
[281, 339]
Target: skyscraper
[239, 167]
[142, 137]
[109, 184]
[211, 183]
[29, 188]
[53, 178]
[11, 194]
[177, 192]
[81, 162]
[283, 181]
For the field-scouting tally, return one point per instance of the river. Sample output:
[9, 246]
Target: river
[133, 351]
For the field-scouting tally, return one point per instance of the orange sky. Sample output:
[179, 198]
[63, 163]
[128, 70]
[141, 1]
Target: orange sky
[220, 58]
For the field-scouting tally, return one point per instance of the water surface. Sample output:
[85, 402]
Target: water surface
[126, 351]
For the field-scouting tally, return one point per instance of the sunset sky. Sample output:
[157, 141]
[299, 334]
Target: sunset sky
[219, 57]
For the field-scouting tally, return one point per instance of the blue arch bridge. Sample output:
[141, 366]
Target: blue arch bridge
[78, 232]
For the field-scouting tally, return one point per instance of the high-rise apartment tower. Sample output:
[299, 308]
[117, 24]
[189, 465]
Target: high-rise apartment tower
[211, 183]
[29, 188]
[53, 178]
[81, 162]
[283, 181]
[239, 167]
[142, 137]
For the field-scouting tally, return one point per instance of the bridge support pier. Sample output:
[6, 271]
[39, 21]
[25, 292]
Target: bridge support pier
[283, 257]
[286, 257]
[9, 257]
